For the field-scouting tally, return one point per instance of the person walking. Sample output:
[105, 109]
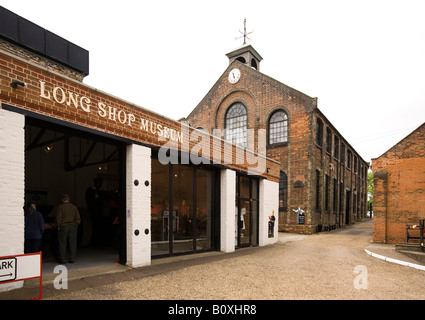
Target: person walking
[67, 219]
[34, 228]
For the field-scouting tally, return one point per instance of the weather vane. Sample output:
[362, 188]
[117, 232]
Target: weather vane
[244, 34]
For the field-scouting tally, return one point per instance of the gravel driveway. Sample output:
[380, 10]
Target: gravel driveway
[329, 265]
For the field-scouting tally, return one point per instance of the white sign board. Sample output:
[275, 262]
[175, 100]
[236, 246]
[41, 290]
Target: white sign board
[7, 269]
[20, 267]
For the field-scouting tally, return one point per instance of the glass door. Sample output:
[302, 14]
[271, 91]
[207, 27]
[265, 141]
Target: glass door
[184, 209]
[205, 208]
[160, 199]
[246, 219]
[244, 223]
[254, 211]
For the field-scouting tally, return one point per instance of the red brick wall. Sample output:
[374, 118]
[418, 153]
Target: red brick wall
[399, 188]
[262, 95]
[351, 181]
[300, 158]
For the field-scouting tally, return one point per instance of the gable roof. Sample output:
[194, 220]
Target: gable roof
[255, 73]
[403, 147]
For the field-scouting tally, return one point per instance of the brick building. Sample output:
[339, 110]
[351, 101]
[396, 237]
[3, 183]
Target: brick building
[146, 186]
[399, 188]
[320, 171]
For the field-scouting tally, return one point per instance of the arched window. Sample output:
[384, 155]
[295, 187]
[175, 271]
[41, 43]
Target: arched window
[283, 191]
[202, 129]
[241, 59]
[236, 125]
[278, 127]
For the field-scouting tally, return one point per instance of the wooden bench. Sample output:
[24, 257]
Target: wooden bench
[419, 228]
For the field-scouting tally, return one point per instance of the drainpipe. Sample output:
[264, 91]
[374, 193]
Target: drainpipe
[385, 182]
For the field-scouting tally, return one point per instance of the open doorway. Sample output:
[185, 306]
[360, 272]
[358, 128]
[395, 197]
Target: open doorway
[91, 170]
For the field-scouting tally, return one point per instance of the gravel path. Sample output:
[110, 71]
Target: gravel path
[320, 266]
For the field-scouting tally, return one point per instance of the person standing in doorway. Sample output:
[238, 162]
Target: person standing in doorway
[34, 228]
[67, 219]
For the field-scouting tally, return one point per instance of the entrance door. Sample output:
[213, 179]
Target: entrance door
[246, 223]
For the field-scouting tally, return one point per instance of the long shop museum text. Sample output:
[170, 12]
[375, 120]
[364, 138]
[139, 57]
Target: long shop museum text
[71, 99]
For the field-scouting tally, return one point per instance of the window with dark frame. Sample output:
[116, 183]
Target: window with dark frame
[335, 195]
[236, 124]
[327, 192]
[278, 128]
[348, 159]
[318, 184]
[336, 147]
[355, 204]
[328, 141]
[283, 191]
[355, 164]
[319, 132]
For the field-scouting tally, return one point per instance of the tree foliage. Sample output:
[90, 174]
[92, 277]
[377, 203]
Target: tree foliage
[370, 189]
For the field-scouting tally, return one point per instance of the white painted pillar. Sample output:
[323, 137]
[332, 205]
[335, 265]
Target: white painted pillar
[138, 205]
[269, 204]
[227, 210]
[12, 186]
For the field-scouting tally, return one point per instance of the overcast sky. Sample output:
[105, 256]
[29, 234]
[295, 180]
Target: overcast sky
[363, 60]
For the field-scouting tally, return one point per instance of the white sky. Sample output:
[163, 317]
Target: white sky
[363, 60]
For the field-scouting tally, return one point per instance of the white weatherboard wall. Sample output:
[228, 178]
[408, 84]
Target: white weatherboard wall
[138, 206]
[12, 186]
[269, 204]
[227, 210]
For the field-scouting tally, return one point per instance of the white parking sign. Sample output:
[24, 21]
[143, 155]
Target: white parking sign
[21, 267]
[7, 269]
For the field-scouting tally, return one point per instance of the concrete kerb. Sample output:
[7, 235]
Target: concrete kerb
[400, 262]
[289, 237]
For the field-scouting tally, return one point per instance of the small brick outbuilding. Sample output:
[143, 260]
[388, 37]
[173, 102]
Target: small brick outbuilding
[399, 188]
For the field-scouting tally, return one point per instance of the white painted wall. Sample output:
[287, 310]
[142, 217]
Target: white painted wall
[138, 205]
[12, 186]
[269, 204]
[227, 210]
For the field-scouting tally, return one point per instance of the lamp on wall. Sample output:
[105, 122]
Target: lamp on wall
[48, 147]
[17, 83]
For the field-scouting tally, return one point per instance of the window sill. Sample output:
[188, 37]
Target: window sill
[277, 145]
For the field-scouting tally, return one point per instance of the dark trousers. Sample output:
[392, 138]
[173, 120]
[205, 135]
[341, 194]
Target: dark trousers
[67, 236]
[32, 245]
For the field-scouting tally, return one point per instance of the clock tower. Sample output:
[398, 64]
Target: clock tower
[247, 55]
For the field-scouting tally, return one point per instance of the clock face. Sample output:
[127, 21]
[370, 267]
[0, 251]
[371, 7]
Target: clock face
[234, 75]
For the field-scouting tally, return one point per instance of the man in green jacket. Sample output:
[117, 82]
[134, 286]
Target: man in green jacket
[67, 219]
